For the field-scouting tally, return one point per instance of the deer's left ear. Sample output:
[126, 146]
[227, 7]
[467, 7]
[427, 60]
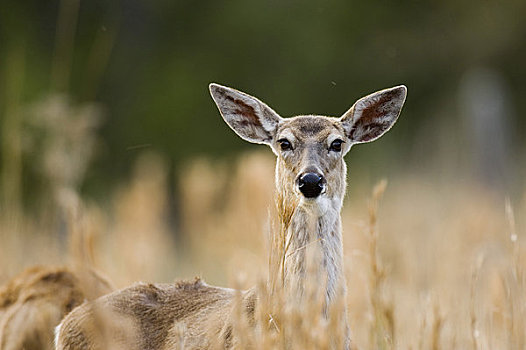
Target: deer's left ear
[371, 116]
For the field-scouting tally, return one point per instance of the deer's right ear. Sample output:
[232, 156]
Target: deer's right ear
[250, 118]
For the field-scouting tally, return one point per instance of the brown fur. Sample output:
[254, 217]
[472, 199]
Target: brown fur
[33, 303]
[155, 316]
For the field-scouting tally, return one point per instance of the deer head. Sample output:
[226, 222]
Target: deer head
[310, 148]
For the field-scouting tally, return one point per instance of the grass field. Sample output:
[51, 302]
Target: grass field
[430, 264]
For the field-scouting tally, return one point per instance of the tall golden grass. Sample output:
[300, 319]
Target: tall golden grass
[430, 265]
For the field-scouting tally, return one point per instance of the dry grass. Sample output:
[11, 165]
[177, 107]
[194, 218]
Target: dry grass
[429, 266]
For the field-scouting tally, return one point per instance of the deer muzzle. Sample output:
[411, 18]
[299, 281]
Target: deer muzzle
[311, 184]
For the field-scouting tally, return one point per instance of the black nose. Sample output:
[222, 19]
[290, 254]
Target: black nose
[310, 184]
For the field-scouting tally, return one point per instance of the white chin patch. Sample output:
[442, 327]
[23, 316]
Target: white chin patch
[320, 204]
[324, 204]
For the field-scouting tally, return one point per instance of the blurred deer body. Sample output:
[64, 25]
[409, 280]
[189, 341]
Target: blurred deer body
[306, 250]
[35, 301]
[189, 315]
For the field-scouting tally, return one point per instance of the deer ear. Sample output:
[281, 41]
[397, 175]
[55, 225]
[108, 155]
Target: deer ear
[371, 116]
[250, 118]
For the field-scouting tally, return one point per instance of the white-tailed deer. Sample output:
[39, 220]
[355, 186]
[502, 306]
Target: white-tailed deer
[34, 302]
[310, 188]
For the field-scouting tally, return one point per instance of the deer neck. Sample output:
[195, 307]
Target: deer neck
[312, 250]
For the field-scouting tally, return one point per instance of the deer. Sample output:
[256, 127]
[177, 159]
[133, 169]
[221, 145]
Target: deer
[34, 302]
[310, 185]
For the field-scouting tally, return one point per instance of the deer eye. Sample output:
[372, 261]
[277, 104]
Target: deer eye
[285, 145]
[336, 146]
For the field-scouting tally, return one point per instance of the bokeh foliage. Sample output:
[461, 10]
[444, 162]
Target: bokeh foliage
[148, 63]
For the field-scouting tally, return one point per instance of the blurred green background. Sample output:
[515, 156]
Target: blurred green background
[138, 72]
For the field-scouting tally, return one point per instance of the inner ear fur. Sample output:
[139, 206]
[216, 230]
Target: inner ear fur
[250, 118]
[373, 115]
